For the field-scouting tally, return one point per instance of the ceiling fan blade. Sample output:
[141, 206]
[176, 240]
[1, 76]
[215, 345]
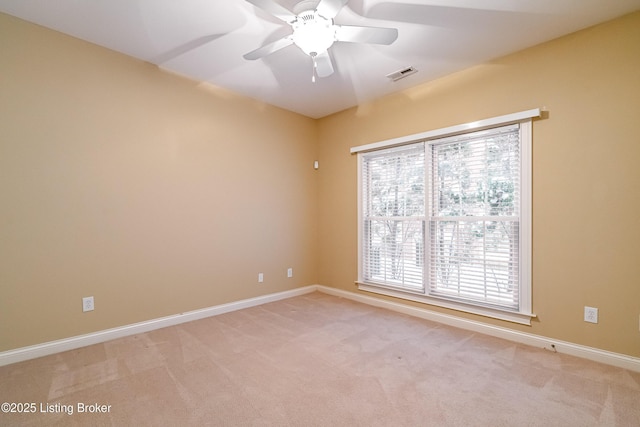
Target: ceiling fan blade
[274, 9]
[330, 8]
[324, 67]
[269, 48]
[375, 35]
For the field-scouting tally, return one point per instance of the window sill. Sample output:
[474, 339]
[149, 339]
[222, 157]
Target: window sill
[509, 316]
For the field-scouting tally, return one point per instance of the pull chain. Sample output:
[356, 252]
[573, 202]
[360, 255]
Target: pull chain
[315, 66]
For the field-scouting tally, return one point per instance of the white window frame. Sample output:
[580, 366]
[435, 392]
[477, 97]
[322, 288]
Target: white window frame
[524, 313]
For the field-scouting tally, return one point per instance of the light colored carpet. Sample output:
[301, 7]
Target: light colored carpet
[319, 360]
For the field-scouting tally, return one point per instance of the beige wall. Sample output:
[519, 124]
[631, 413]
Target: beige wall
[158, 196]
[152, 194]
[586, 174]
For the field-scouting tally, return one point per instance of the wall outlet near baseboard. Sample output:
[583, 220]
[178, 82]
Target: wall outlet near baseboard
[590, 314]
[260, 277]
[87, 304]
[290, 272]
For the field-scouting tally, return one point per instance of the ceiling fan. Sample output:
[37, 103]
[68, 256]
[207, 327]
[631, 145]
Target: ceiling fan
[314, 31]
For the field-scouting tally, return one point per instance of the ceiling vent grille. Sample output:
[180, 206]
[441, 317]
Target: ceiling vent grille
[401, 74]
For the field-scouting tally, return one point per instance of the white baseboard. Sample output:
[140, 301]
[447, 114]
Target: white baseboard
[590, 353]
[52, 347]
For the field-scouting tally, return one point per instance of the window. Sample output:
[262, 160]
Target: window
[444, 217]
[394, 206]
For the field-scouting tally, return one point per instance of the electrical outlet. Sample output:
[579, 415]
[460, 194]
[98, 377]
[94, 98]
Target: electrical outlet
[87, 304]
[290, 272]
[260, 277]
[590, 314]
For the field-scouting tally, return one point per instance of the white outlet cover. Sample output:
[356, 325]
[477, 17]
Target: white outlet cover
[87, 304]
[590, 314]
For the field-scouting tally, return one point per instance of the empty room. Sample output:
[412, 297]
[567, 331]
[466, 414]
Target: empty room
[320, 213]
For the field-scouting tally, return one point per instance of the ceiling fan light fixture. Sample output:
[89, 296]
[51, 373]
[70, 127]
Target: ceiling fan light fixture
[313, 33]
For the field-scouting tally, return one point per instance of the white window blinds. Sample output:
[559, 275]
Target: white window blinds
[393, 205]
[474, 217]
[447, 220]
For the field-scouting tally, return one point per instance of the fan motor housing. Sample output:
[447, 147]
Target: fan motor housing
[313, 33]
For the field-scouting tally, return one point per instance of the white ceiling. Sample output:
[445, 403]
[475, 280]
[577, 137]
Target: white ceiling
[206, 40]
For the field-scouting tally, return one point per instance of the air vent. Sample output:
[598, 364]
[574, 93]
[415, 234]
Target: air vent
[401, 74]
